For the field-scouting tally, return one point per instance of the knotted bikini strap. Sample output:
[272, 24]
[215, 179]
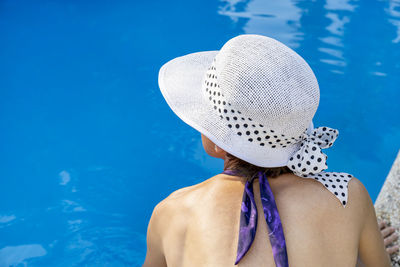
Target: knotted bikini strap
[248, 220]
[275, 230]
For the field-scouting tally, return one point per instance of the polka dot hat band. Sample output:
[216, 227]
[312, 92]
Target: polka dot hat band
[255, 98]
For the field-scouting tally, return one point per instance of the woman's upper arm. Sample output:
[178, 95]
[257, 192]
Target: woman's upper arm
[371, 247]
[155, 255]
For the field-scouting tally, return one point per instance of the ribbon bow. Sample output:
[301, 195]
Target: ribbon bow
[248, 220]
[310, 159]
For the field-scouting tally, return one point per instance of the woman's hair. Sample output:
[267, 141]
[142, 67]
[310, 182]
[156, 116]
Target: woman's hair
[249, 170]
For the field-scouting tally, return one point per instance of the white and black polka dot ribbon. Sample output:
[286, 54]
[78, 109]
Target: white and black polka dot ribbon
[310, 159]
[335, 182]
[310, 162]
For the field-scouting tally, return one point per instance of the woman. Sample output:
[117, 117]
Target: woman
[253, 102]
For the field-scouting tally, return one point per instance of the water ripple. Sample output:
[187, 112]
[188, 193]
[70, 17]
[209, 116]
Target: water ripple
[15, 255]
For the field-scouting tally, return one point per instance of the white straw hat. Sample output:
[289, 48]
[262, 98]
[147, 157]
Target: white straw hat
[255, 98]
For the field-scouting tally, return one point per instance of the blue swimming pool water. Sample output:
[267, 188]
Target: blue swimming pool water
[89, 146]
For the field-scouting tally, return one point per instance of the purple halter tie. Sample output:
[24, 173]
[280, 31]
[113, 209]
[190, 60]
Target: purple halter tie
[248, 220]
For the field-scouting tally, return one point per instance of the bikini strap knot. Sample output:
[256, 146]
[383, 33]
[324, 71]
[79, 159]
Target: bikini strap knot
[249, 216]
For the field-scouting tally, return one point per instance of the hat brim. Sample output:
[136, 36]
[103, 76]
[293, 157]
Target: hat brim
[180, 81]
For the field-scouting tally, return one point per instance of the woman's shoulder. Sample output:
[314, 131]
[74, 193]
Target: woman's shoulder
[315, 207]
[184, 198]
[358, 196]
[326, 193]
[172, 213]
[358, 202]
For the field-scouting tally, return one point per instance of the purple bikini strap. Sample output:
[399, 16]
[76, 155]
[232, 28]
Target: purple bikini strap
[248, 220]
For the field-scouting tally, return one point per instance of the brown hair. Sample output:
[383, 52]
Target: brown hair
[249, 170]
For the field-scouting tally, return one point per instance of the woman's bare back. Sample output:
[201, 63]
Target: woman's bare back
[198, 225]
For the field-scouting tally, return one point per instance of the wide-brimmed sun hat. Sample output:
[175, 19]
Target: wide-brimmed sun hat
[255, 98]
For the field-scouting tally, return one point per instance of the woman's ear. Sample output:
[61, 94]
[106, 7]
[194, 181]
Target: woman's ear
[212, 149]
[219, 151]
